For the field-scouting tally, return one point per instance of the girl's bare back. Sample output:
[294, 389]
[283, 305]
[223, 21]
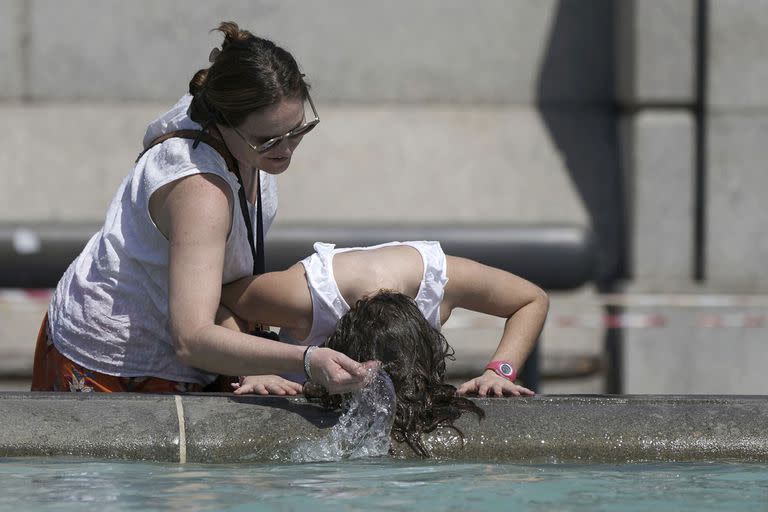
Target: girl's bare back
[364, 272]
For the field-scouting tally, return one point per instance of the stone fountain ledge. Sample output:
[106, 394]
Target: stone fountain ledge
[219, 428]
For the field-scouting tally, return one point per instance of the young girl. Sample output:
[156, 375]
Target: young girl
[309, 299]
[400, 295]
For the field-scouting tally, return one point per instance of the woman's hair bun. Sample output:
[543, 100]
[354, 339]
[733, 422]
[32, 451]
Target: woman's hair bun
[247, 73]
[232, 33]
[198, 81]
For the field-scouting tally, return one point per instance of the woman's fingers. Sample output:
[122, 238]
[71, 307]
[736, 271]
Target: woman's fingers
[351, 366]
[336, 372]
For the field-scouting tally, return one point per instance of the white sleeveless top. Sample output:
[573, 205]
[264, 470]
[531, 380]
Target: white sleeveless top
[109, 312]
[328, 305]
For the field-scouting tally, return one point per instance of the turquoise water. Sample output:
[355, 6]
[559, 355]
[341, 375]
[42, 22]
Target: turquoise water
[379, 484]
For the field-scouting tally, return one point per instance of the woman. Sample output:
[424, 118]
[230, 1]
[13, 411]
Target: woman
[311, 302]
[135, 311]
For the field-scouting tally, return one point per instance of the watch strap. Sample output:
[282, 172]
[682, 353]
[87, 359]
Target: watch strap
[503, 369]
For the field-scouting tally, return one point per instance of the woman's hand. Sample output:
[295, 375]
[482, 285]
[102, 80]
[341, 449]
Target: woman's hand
[266, 385]
[338, 373]
[491, 384]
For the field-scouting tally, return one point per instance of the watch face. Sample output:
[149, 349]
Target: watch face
[506, 369]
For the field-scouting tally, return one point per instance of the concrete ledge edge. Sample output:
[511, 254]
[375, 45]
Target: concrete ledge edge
[223, 428]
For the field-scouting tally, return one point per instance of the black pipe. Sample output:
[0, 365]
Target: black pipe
[700, 155]
[555, 257]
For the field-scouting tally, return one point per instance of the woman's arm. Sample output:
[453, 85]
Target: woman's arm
[195, 215]
[477, 287]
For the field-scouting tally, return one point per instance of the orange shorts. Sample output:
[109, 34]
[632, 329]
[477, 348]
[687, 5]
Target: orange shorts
[52, 371]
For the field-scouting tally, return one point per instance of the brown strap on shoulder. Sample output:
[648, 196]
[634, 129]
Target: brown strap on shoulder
[201, 136]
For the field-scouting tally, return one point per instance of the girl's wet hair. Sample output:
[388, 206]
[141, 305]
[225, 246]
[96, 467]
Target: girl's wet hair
[247, 74]
[389, 327]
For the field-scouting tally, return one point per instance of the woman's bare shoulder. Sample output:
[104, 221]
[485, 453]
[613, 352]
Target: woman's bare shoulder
[189, 197]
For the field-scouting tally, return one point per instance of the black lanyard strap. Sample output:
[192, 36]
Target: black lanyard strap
[257, 251]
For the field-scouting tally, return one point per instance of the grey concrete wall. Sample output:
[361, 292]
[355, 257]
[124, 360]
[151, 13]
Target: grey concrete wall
[20, 319]
[737, 101]
[437, 111]
[657, 70]
[354, 51]
[737, 226]
[736, 66]
[699, 349]
[656, 45]
[11, 49]
[410, 163]
[656, 87]
[63, 161]
[659, 170]
[52, 173]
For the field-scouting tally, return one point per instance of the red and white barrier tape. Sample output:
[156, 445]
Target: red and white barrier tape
[655, 320]
[614, 321]
[16, 300]
[19, 296]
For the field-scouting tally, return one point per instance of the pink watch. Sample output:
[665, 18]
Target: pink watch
[504, 369]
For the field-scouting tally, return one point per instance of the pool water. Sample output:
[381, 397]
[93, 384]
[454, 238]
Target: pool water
[379, 484]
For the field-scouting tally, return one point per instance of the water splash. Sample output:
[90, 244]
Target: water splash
[363, 428]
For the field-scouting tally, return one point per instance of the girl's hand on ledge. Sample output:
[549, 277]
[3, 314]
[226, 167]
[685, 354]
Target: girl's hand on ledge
[491, 384]
[266, 385]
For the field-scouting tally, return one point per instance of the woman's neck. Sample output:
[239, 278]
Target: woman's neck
[247, 171]
[248, 174]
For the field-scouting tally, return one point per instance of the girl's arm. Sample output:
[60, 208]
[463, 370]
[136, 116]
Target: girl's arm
[477, 287]
[255, 384]
[194, 213]
[279, 299]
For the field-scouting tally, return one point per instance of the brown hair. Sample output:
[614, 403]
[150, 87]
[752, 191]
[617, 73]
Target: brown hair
[247, 74]
[390, 328]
